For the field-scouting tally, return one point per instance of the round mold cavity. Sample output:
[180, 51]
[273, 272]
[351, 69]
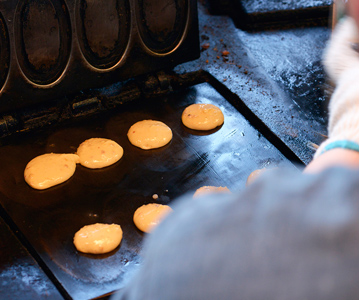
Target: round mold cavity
[103, 29]
[4, 52]
[43, 39]
[161, 23]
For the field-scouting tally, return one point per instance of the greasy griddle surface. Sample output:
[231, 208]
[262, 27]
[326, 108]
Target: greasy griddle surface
[48, 219]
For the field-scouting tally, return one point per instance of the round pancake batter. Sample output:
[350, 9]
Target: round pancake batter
[98, 153]
[205, 190]
[50, 169]
[254, 175]
[148, 216]
[202, 117]
[149, 134]
[98, 238]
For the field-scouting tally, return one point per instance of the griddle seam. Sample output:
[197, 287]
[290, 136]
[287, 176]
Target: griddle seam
[23, 240]
[253, 119]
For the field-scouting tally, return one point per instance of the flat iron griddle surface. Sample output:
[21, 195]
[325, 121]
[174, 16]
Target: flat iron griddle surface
[49, 219]
[15, 259]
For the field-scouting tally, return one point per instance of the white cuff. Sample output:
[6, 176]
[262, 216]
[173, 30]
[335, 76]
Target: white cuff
[339, 54]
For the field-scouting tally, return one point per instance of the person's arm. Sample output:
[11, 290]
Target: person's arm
[352, 7]
[334, 158]
[341, 63]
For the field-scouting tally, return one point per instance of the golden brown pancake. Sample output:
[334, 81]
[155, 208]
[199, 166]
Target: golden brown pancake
[254, 175]
[149, 134]
[202, 117]
[148, 216]
[98, 153]
[98, 238]
[50, 169]
[205, 190]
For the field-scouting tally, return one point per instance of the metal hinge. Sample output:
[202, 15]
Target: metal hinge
[95, 101]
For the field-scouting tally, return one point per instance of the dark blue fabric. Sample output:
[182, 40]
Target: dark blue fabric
[286, 237]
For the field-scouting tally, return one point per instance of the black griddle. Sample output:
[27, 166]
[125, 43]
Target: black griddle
[14, 260]
[48, 219]
[271, 113]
